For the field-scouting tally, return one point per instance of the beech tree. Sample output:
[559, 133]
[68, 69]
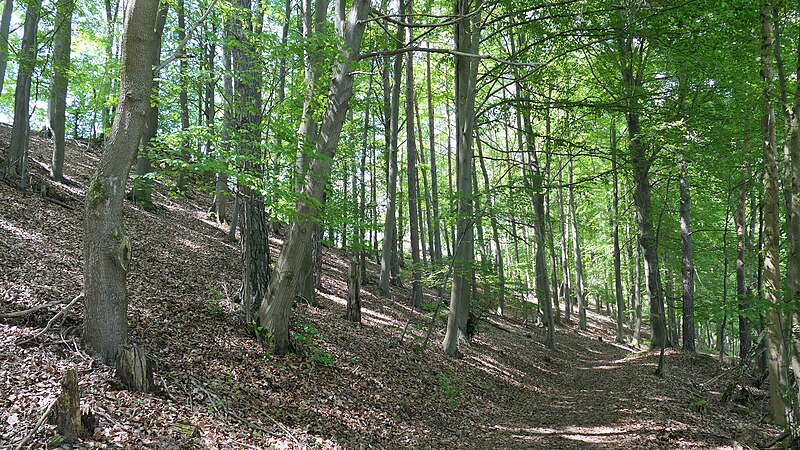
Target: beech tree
[107, 250]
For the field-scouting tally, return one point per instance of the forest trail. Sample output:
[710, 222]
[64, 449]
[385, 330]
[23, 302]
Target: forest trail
[345, 386]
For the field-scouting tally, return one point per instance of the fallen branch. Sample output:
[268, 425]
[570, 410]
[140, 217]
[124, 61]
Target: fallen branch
[36, 426]
[29, 311]
[52, 319]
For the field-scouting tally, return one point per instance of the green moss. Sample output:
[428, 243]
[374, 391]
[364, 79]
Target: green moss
[97, 194]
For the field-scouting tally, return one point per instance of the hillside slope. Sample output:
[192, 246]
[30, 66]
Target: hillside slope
[347, 386]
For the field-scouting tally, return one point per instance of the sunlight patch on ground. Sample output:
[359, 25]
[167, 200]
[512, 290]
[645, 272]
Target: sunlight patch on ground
[588, 435]
[20, 233]
[372, 316]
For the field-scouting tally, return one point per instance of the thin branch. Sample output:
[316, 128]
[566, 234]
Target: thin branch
[445, 52]
[36, 426]
[179, 51]
[27, 312]
[53, 319]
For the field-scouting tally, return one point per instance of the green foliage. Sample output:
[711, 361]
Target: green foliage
[698, 404]
[306, 338]
[451, 389]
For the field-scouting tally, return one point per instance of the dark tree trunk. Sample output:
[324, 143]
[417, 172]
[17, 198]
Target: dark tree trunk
[5, 25]
[411, 161]
[618, 294]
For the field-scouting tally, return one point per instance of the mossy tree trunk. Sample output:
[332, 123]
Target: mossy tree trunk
[106, 247]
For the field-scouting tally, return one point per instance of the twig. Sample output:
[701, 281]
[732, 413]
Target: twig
[166, 389]
[29, 311]
[189, 32]
[52, 320]
[36, 426]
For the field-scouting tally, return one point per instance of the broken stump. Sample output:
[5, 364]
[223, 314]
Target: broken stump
[66, 413]
[133, 369]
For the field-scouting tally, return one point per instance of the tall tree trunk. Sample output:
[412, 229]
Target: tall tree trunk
[143, 184]
[771, 229]
[500, 292]
[247, 119]
[566, 291]
[274, 312]
[411, 147]
[437, 238]
[632, 54]
[5, 25]
[579, 287]
[741, 273]
[534, 183]
[106, 247]
[183, 95]
[618, 294]
[16, 165]
[467, 38]
[57, 104]
[687, 264]
[389, 257]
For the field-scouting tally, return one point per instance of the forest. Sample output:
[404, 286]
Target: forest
[399, 224]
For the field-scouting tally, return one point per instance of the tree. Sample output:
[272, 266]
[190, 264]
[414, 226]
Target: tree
[16, 164]
[291, 265]
[771, 246]
[5, 24]
[56, 107]
[413, 183]
[107, 248]
[467, 38]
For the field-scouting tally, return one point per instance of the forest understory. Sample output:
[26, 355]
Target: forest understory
[344, 386]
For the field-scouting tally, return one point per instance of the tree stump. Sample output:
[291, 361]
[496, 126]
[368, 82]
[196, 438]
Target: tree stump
[67, 410]
[133, 369]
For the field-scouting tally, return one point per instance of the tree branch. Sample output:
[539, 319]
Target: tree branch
[181, 45]
[445, 52]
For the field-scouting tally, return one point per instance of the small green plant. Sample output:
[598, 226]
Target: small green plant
[320, 356]
[451, 389]
[698, 404]
[214, 306]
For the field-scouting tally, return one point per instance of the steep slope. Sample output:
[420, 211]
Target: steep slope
[345, 386]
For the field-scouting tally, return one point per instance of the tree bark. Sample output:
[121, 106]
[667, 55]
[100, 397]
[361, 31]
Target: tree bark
[57, 104]
[579, 286]
[389, 249]
[5, 25]
[16, 165]
[106, 247]
[411, 161]
[618, 294]
[500, 292]
[467, 38]
[771, 229]
[437, 238]
[283, 287]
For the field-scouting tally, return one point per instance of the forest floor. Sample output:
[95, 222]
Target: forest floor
[346, 386]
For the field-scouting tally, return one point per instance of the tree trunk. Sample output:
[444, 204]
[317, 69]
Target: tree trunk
[354, 289]
[437, 239]
[274, 312]
[57, 104]
[183, 95]
[467, 38]
[411, 161]
[741, 273]
[5, 25]
[771, 229]
[618, 294]
[247, 120]
[66, 413]
[389, 248]
[500, 292]
[687, 265]
[16, 165]
[106, 247]
[579, 287]
[566, 291]
[143, 184]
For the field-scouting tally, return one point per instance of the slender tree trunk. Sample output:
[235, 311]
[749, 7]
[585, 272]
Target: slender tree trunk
[411, 147]
[437, 238]
[687, 266]
[741, 273]
[16, 165]
[618, 294]
[5, 25]
[274, 312]
[721, 340]
[771, 229]
[389, 255]
[57, 104]
[500, 292]
[467, 38]
[577, 249]
[566, 291]
[183, 95]
[106, 247]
